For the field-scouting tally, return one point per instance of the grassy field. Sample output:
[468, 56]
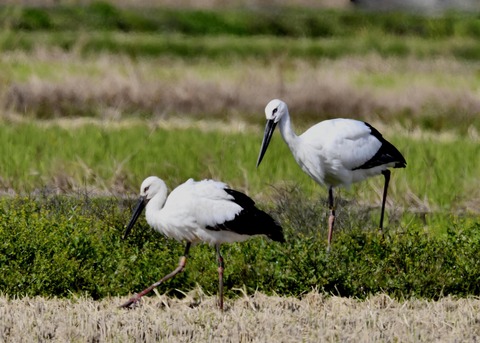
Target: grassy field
[112, 159]
[95, 98]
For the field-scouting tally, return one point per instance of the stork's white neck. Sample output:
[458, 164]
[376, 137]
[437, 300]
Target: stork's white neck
[155, 204]
[287, 132]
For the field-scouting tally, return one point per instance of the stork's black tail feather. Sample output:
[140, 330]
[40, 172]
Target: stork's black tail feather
[251, 220]
[270, 227]
[387, 153]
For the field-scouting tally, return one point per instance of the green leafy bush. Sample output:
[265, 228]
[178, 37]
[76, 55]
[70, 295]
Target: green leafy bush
[58, 246]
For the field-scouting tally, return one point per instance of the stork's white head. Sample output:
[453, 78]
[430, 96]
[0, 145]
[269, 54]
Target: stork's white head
[275, 110]
[151, 186]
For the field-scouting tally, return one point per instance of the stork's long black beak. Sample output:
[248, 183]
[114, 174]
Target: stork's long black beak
[267, 136]
[142, 202]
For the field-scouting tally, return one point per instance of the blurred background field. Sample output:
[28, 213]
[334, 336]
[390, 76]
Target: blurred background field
[95, 96]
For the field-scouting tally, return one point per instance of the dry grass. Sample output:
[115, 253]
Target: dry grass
[107, 86]
[258, 318]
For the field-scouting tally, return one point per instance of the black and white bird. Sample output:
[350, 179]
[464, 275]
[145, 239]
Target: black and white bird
[334, 152]
[201, 211]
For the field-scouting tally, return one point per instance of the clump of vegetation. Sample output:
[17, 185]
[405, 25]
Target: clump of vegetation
[59, 246]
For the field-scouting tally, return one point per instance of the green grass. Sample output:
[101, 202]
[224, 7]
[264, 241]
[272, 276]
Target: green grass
[283, 22]
[240, 33]
[33, 157]
[226, 47]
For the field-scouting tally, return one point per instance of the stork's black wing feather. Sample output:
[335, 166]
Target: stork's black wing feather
[386, 154]
[251, 220]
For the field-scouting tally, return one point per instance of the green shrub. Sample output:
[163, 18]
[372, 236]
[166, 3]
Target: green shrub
[58, 246]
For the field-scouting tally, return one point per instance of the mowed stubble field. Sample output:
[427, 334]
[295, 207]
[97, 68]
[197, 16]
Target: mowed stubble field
[431, 101]
[255, 318]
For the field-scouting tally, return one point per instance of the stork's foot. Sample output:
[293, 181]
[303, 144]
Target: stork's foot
[131, 303]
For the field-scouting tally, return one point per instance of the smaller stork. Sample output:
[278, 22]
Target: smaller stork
[200, 211]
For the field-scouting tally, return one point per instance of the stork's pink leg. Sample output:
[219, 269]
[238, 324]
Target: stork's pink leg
[331, 218]
[181, 266]
[386, 174]
[220, 277]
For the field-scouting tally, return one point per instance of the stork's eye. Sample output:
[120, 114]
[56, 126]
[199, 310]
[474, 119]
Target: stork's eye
[274, 110]
[146, 189]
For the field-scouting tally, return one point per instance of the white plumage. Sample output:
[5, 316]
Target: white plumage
[190, 208]
[204, 211]
[334, 152]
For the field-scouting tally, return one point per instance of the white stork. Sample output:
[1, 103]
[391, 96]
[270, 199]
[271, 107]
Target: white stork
[334, 152]
[201, 211]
